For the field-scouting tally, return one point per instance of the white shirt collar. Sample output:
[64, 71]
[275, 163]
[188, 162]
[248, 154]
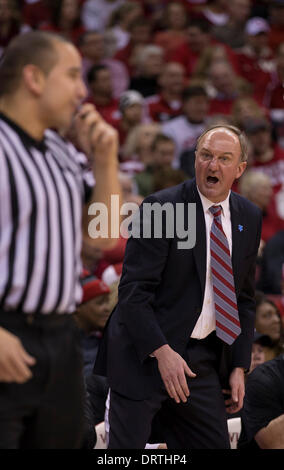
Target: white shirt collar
[206, 203]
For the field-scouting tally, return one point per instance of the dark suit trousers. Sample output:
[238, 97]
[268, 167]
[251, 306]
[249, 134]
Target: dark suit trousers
[46, 412]
[200, 423]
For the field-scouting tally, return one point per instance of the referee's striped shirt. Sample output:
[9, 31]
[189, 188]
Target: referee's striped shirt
[43, 186]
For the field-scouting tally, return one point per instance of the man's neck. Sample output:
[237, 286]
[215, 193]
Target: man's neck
[19, 113]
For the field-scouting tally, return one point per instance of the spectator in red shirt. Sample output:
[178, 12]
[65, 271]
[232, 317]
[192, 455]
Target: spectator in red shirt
[233, 32]
[266, 156]
[65, 20]
[276, 17]
[99, 80]
[91, 45]
[175, 23]
[274, 97]
[140, 35]
[257, 187]
[256, 60]
[168, 104]
[36, 12]
[198, 42]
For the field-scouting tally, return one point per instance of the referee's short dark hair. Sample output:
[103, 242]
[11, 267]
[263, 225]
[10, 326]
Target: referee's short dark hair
[193, 90]
[35, 47]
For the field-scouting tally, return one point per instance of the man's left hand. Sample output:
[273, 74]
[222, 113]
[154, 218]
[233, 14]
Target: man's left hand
[237, 391]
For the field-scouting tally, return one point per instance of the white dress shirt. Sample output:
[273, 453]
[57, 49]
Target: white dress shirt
[206, 322]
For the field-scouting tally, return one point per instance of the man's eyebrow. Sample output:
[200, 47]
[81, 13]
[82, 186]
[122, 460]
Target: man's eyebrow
[75, 69]
[209, 151]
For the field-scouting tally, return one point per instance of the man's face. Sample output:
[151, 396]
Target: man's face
[141, 34]
[218, 164]
[222, 78]
[133, 114]
[261, 141]
[93, 46]
[63, 89]
[268, 321]
[163, 155]
[196, 108]
[102, 84]
[239, 10]
[197, 39]
[95, 312]
[172, 78]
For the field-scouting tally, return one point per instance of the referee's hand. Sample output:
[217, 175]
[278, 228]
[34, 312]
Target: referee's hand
[15, 362]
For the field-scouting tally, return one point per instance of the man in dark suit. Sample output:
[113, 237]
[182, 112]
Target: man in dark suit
[167, 349]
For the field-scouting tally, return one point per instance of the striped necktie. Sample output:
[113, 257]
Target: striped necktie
[227, 317]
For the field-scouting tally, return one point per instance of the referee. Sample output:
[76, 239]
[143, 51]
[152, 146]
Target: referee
[44, 184]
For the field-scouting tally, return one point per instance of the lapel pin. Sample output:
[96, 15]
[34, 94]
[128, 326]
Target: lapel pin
[240, 227]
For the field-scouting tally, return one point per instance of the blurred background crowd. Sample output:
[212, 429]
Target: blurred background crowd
[160, 72]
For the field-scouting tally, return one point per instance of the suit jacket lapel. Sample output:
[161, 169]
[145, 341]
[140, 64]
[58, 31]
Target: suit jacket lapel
[237, 237]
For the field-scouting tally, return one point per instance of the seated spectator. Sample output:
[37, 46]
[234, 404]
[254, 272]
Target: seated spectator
[216, 12]
[186, 129]
[245, 108]
[199, 40]
[274, 96]
[215, 52]
[149, 62]
[137, 148]
[168, 103]
[174, 34]
[120, 20]
[263, 410]
[257, 187]
[272, 265]
[91, 317]
[225, 85]
[233, 32]
[256, 59]
[163, 151]
[140, 35]
[10, 22]
[91, 45]
[131, 110]
[65, 19]
[101, 93]
[96, 13]
[276, 18]
[267, 157]
[268, 322]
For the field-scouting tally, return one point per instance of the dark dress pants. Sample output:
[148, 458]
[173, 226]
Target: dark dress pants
[200, 423]
[46, 412]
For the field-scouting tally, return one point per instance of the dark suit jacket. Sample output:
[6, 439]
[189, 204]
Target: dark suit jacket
[161, 295]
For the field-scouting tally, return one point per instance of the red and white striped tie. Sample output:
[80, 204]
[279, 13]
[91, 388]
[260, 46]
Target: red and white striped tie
[226, 309]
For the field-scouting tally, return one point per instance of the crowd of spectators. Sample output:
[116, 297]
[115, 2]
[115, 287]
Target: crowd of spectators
[160, 72]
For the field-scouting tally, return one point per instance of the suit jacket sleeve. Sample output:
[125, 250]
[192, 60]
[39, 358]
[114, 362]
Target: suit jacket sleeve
[144, 261]
[241, 350]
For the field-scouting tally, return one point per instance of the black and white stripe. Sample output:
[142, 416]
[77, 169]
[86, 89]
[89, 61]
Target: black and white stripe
[42, 189]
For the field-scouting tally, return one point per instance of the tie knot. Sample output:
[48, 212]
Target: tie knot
[216, 210]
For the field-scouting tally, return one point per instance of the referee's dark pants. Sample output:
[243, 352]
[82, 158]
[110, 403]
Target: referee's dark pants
[200, 423]
[46, 412]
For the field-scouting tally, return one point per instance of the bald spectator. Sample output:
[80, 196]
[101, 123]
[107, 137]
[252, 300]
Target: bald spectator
[101, 92]
[168, 103]
[149, 62]
[225, 89]
[186, 129]
[91, 45]
[233, 32]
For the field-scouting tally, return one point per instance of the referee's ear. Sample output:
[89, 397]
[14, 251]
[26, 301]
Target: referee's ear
[33, 79]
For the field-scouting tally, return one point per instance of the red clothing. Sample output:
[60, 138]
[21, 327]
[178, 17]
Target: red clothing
[109, 112]
[271, 223]
[250, 69]
[169, 41]
[274, 96]
[275, 36]
[14, 30]
[36, 13]
[121, 132]
[185, 56]
[74, 35]
[124, 55]
[160, 110]
[273, 168]
[221, 106]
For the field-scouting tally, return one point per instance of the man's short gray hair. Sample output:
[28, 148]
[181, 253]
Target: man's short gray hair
[235, 130]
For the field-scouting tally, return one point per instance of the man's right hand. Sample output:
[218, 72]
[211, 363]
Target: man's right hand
[173, 368]
[14, 360]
